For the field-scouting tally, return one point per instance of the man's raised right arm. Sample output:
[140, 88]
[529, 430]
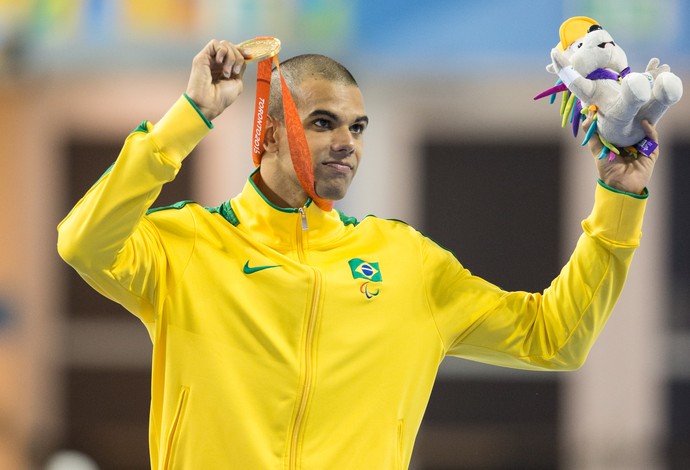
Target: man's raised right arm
[106, 236]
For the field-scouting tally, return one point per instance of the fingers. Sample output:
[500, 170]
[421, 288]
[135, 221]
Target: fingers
[588, 120]
[225, 57]
[215, 80]
[229, 57]
[651, 133]
[650, 130]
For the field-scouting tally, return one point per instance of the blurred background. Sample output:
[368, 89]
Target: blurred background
[456, 147]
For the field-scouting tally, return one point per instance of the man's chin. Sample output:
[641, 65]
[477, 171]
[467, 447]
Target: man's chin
[334, 194]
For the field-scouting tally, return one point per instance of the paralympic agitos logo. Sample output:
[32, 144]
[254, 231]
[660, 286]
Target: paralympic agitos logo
[370, 272]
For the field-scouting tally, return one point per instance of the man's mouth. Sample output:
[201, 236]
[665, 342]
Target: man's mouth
[339, 166]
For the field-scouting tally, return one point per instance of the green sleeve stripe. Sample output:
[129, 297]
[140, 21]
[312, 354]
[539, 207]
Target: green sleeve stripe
[636, 196]
[143, 127]
[208, 123]
[177, 205]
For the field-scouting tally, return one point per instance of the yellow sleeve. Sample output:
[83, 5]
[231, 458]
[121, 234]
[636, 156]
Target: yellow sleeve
[550, 330]
[107, 237]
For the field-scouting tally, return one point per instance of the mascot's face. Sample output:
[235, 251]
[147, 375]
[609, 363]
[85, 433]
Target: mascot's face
[596, 50]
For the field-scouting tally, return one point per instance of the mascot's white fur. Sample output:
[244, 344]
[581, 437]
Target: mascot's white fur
[595, 69]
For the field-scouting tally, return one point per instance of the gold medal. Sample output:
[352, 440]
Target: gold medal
[260, 48]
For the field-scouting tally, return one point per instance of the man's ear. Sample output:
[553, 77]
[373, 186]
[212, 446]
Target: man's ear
[270, 140]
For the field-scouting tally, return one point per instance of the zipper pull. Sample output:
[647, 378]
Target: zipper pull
[303, 215]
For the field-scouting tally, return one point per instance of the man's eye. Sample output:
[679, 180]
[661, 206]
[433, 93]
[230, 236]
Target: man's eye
[322, 123]
[357, 128]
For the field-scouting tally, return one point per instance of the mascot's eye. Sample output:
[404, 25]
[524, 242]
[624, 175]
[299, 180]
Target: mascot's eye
[579, 45]
[594, 27]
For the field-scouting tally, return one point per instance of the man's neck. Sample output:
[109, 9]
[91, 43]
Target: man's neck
[299, 199]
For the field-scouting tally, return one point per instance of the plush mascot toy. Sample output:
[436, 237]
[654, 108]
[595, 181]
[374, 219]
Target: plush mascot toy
[594, 75]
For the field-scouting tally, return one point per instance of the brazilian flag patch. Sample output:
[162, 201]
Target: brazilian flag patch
[365, 270]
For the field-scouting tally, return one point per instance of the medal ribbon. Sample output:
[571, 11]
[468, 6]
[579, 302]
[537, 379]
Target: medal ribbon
[297, 141]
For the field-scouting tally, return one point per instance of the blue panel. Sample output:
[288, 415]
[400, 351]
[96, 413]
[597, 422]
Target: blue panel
[457, 30]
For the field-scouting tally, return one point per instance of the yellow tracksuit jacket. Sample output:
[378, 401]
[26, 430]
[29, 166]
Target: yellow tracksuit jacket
[303, 339]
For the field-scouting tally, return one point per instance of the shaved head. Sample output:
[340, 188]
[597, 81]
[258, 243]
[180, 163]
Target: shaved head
[300, 68]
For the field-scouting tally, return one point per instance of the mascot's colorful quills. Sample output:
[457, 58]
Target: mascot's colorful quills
[594, 75]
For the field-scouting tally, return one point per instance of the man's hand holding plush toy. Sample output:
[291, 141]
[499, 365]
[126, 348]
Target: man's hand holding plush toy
[624, 172]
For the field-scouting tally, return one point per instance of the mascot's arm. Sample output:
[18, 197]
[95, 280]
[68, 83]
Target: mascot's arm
[576, 83]
[654, 69]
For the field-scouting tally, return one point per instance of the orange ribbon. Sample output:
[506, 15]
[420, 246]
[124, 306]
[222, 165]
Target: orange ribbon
[297, 141]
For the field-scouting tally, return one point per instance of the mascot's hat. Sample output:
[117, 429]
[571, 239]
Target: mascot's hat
[573, 29]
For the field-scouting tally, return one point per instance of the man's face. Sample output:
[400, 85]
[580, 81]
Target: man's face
[334, 120]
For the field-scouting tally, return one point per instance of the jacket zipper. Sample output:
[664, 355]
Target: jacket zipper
[305, 225]
[308, 347]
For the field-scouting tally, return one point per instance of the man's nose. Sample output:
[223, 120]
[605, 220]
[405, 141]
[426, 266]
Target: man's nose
[343, 140]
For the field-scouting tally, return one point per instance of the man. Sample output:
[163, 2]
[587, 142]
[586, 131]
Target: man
[287, 336]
